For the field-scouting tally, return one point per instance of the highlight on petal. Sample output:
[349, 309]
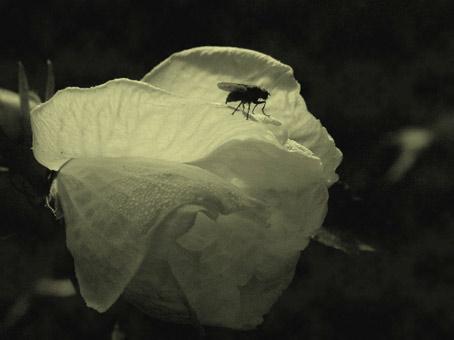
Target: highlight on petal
[256, 165]
[195, 73]
[125, 118]
[116, 211]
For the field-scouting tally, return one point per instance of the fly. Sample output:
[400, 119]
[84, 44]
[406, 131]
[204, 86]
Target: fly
[245, 94]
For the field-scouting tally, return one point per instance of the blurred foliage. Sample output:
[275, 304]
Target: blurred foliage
[368, 69]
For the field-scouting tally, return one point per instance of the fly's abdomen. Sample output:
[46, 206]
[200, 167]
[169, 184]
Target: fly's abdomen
[234, 97]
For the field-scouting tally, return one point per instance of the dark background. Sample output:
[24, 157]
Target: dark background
[367, 70]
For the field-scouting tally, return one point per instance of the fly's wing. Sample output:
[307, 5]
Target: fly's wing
[231, 87]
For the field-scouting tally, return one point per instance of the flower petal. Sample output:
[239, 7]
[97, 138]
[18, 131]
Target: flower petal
[113, 209]
[290, 181]
[247, 258]
[195, 73]
[230, 281]
[125, 118]
[228, 269]
[241, 261]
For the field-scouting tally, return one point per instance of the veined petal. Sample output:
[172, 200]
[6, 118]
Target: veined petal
[196, 72]
[115, 209]
[126, 118]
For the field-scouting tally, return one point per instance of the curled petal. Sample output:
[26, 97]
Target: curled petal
[233, 262]
[259, 165]
[196, 72]
[164, 233]
[114, 208]
[289, 180]
[225, 268]
[243, 261]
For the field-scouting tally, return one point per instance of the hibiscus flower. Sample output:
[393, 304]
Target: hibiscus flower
[172, 202]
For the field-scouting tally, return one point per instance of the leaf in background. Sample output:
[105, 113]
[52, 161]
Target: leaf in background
[412, 142]
[24, 105]
[50, 81]
[345, 244]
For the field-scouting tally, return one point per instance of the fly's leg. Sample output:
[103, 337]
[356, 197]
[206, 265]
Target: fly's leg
[248, 109]
[263, 108]
[258, 103]
[236, 109]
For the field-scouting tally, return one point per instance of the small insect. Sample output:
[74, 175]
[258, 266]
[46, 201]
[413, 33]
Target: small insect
[245, 94]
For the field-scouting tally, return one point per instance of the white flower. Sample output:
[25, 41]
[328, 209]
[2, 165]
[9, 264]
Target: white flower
[177, 205]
